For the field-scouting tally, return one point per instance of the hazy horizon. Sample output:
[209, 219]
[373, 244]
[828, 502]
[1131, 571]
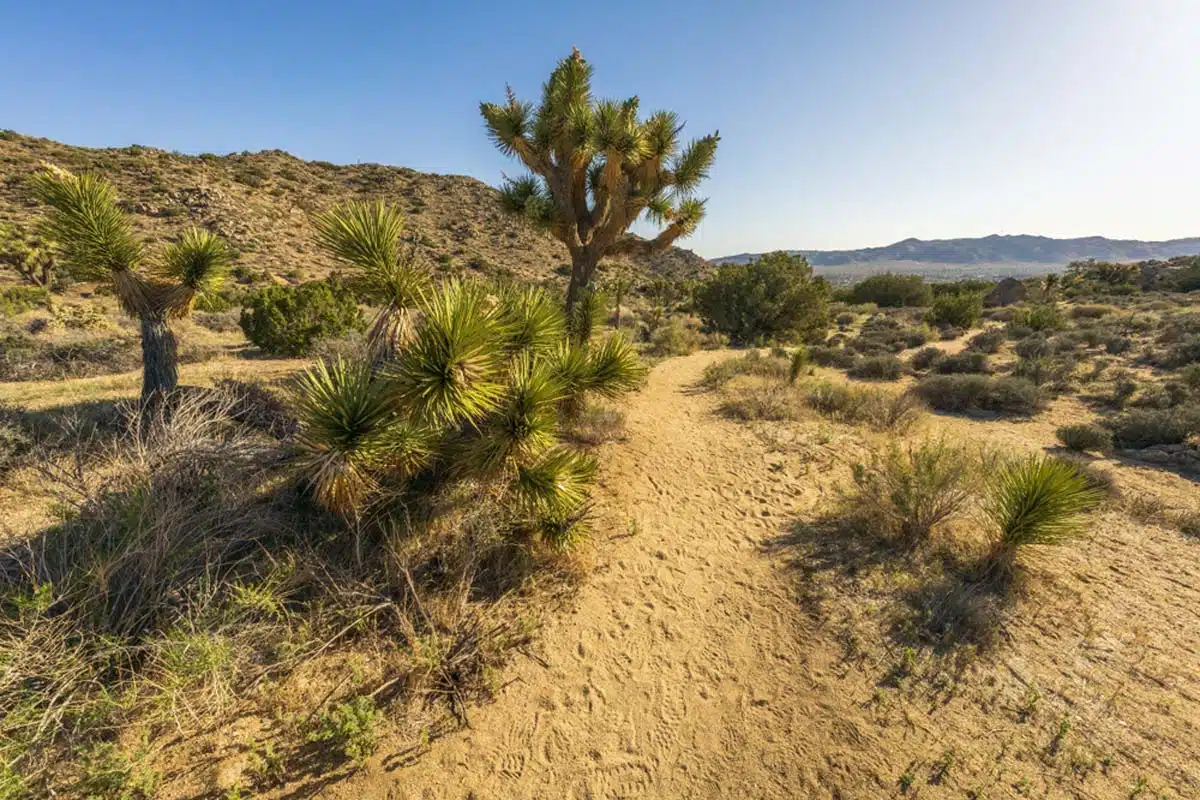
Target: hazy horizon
[843, 127]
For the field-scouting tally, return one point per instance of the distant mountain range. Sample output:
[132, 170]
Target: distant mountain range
[995, 249]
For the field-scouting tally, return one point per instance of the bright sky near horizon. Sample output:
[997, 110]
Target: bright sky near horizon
[844, 124]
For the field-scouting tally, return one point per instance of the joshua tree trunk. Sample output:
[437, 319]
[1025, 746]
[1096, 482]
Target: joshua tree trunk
[160, 372]
[583, 268]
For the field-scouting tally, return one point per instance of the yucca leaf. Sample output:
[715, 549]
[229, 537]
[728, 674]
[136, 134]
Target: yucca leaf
[342, 411]
[588, 315]
[556, 484]
[532, 321]
[451, 372]
[197, 263]
[95, 239]
[1039, 501]
[614, 367]
[524, 424]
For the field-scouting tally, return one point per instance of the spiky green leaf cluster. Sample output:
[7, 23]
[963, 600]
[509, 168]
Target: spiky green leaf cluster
[1040, 501]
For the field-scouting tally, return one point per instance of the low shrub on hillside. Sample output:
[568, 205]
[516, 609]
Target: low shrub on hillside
[674, 339]
[1045, 317]
[883, 368]
[1002, 394]
[1085, 437]
[1052, 372]
[824, 356]
[753, 363]
[909, 492]
[988, 341]
[956, 310]
[1037, 346]
[925, 358]
[16, 300]
[882, 410]
[24, 358]
[290, 320]
[1140, 428]
[963, 362]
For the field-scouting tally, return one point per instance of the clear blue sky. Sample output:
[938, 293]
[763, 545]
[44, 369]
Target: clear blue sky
[844, 123]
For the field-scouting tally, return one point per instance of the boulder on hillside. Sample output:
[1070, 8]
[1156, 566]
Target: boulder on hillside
[1005, 293]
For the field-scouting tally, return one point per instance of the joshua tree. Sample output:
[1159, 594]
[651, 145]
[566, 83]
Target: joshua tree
[596, 168]
[97, 242]
[29, 256]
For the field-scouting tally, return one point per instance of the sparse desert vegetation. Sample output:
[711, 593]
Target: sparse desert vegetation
[406, 489]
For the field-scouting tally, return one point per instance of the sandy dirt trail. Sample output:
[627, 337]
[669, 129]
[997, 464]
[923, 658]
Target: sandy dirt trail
[683, 671]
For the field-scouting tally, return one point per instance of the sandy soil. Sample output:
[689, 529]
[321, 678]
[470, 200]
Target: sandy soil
[689, 668]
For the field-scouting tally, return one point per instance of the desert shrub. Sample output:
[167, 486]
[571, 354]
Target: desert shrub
[1001, 394]
[845, 319]
[1037, 501]
[988, 341]
[1055, 372]
[1090, 311]
[775, 296]
[219, 322]
[965, 361]
[1042, 317]
[1183, 352]
[882, 410]
[915, 337]
[289, 320]
[1033, 347]
[1085, 437]
[1189, 522]
[23, 358]
[1116, 345]
[1190, 375]
[799, 363]
[674, 339]
[1018, 332]
[1123, 387]
[911, 491]
[831, 356]
[771, 401]
[956, 311]
[884, 368]
[891, 290]
[1140, 428]
[925, 358]
[753, 363]
[351, 726]
[16, 300]
[15, 440]
[949, 334]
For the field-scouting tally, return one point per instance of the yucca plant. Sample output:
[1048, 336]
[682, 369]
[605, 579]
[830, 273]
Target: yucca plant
[609, 370]
[587, 316]
[452, 371]
[96, 240]
[555, 485]
[525, 423]
[532, 322]
[367, 238]
[596, 168]
[1037, 500]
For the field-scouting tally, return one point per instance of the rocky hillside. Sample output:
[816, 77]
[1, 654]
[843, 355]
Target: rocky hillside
[998, 249]
[261, 203]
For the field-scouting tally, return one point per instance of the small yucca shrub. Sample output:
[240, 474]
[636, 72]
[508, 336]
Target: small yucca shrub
[798, 363]
[1037, 501]
[911, 491]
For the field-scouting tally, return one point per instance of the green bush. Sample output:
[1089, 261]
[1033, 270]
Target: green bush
[674, 339]
[910, 491]
[1146, 427]
[956, 311]
[825, 356]
[1033, 347]
[964, 362]
[883, 368]
[775, 296]
[1084, 437]
[18, 299]
[290, 320]
[1046, 317]
[890, 290]
[925, 358]
[853, 405]
[988, 341]
[752, 363]
[798, 363]
[1001, 394]
[351, 726]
